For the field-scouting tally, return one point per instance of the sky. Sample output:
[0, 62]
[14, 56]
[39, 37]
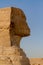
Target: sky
[33, 9]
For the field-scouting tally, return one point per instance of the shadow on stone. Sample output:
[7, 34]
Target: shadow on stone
[13, 27]
[18, 26]
[19, 29]
[25, 61]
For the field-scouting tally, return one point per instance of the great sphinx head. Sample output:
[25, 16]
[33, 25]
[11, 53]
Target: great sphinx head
[16, 24]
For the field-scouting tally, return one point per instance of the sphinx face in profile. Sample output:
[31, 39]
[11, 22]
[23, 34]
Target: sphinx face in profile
[18, 26]
[18, 23]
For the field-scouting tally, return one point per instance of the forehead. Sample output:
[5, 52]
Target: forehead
[18, 12]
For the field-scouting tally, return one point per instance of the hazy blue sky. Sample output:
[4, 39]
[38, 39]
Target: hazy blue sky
[33, 45]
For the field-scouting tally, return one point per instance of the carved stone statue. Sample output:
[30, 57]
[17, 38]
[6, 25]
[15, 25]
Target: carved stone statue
[13, 27]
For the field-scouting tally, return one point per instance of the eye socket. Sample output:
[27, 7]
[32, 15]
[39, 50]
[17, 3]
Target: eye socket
[12, 25]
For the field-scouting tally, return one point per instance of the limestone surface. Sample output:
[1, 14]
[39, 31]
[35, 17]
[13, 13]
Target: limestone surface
[13, 27]
[13, 55]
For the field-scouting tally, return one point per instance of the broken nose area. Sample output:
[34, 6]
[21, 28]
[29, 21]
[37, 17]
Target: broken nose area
[22, 29]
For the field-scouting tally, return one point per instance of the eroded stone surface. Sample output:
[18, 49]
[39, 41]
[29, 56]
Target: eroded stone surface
[13, 55]
[13, 27]
[18, 18]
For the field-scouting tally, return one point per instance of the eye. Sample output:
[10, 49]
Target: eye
[12, 25]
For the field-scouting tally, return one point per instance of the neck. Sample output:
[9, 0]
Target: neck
[15, 40]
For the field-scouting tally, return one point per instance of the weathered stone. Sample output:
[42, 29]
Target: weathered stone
[13, 24]
[13, 55]
[4, 25]
[18, 19]
[13, 27]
